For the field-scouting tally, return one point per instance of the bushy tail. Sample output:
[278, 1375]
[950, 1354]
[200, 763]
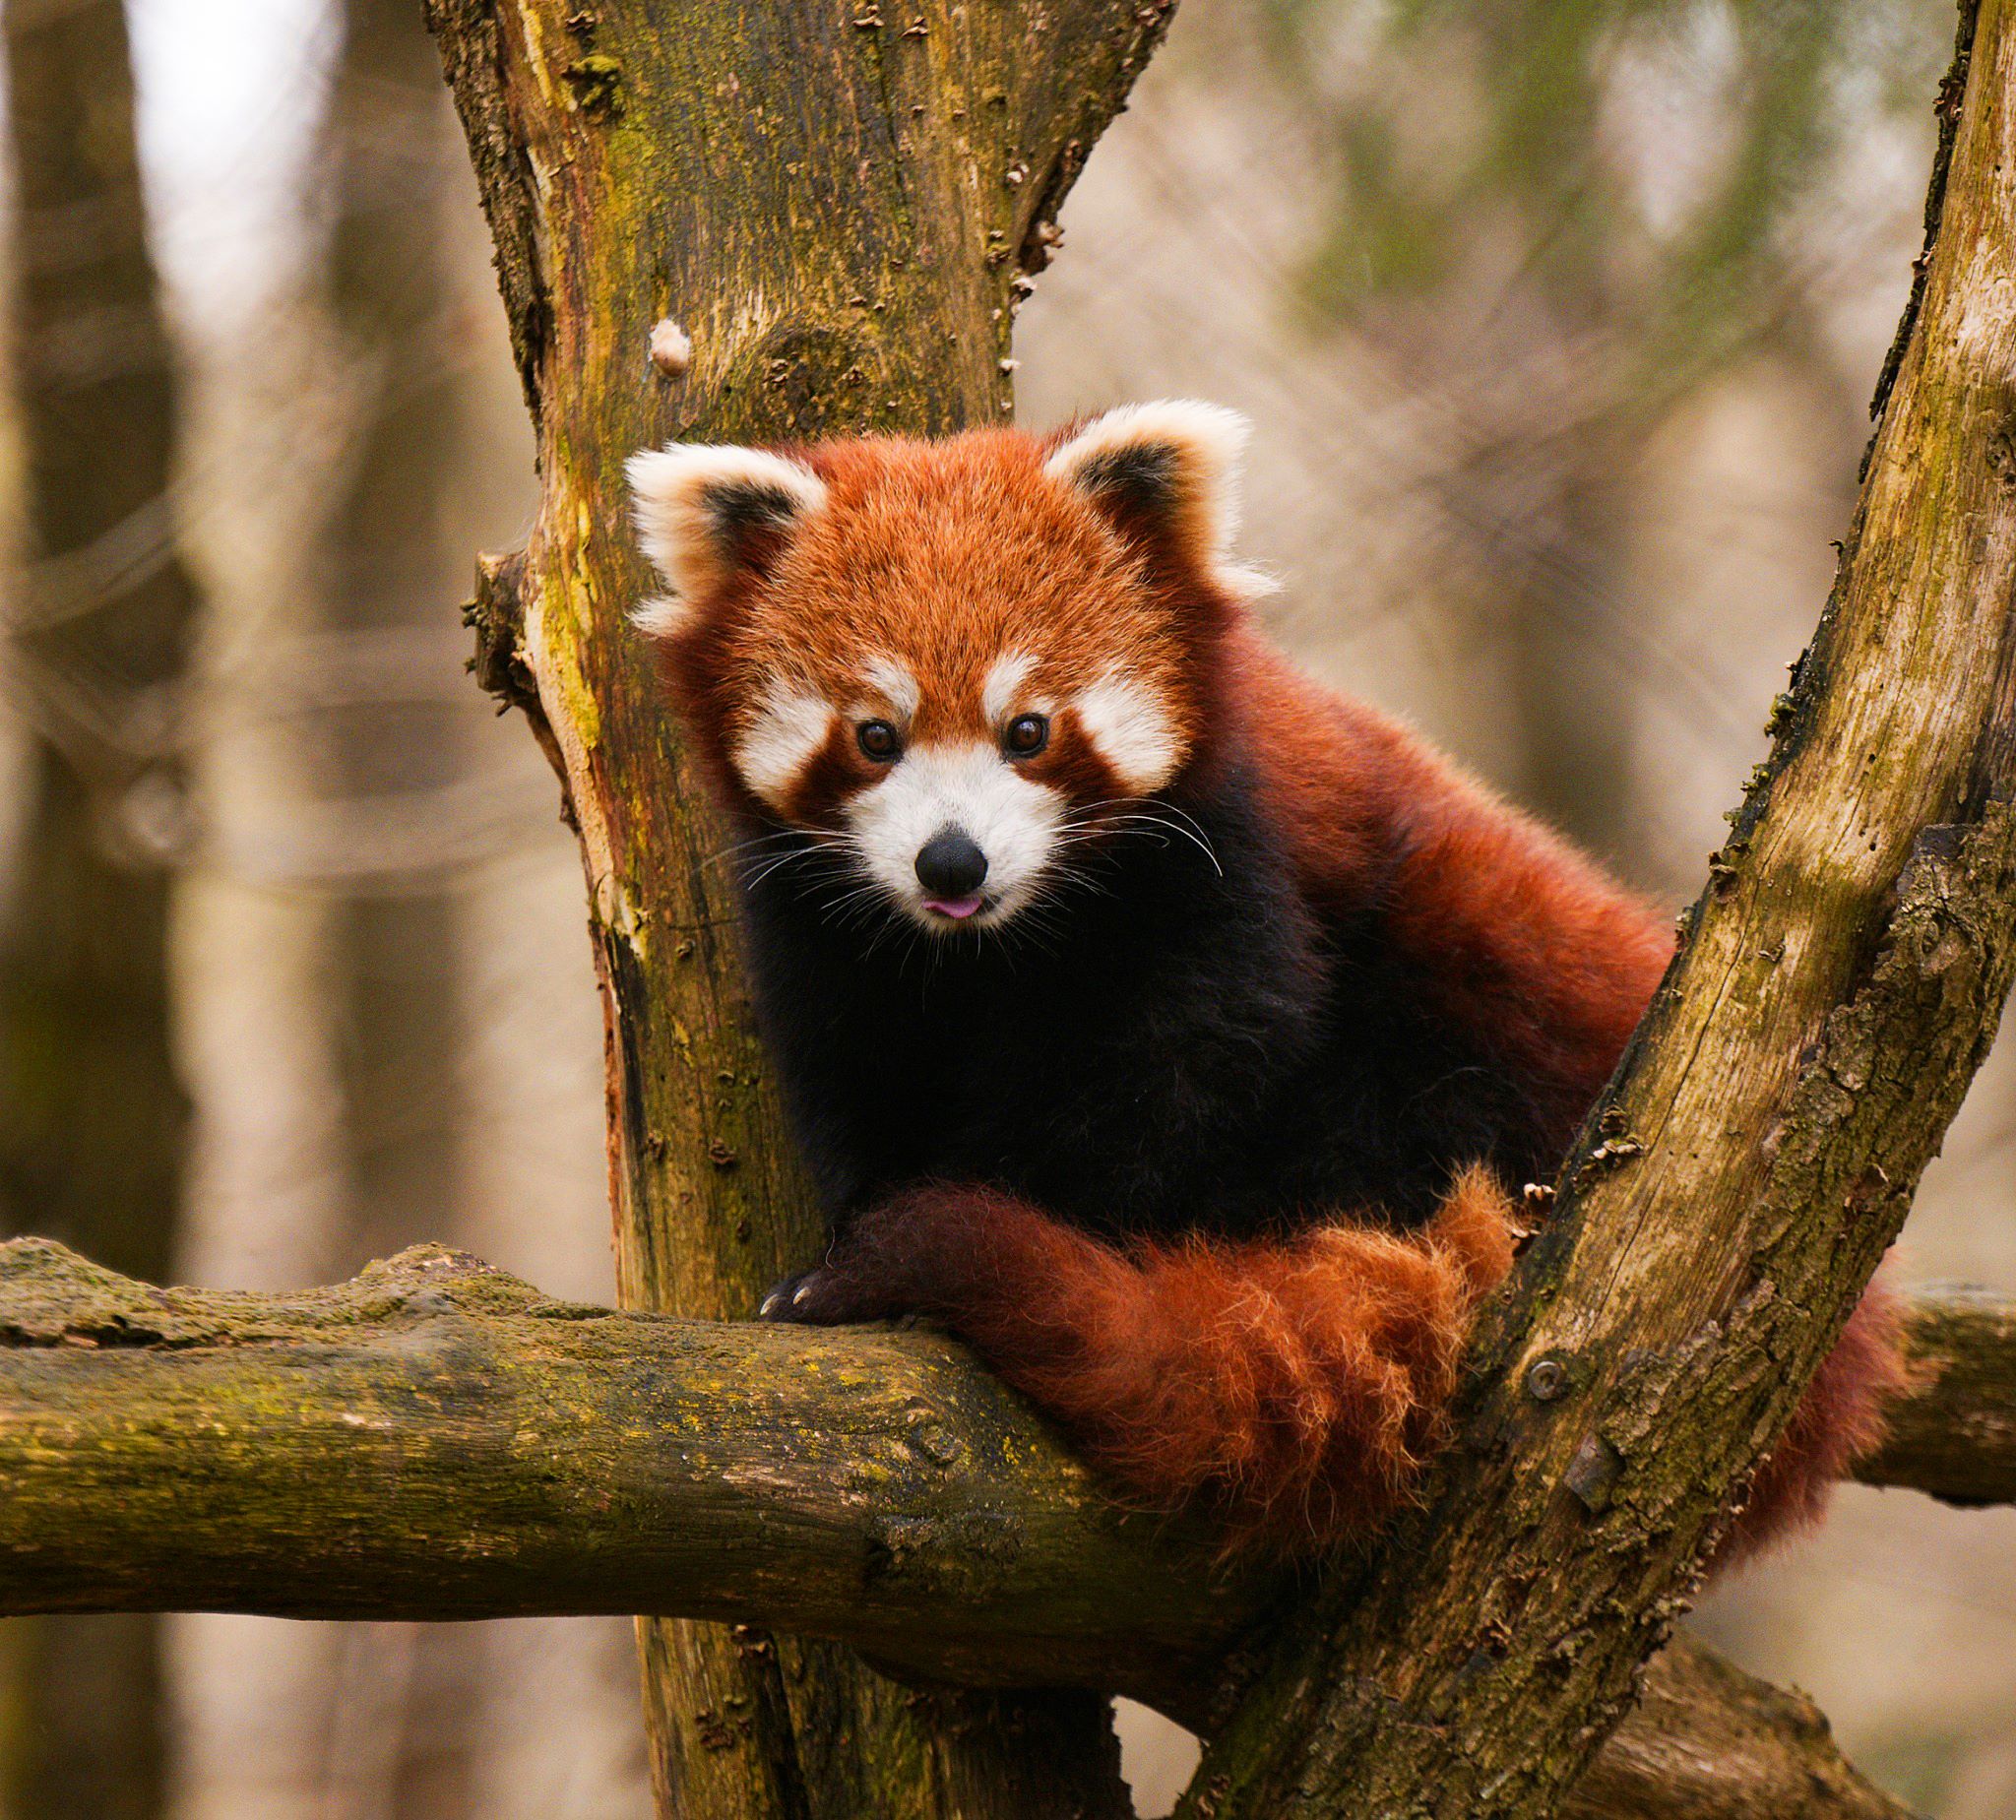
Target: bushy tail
[1293, 1387]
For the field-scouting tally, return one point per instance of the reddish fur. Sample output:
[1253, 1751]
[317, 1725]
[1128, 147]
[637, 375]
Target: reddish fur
[985, 556]
[1526, 937]
[1292, 1388]
[1291, 1385]
[1520, 934]
[1531, 940]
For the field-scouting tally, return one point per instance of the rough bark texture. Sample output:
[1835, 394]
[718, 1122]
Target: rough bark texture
[438, 1440]
[91, 1115]
[1707, 1741]
[1837, 985]
[839, 205]
[1955, 1434]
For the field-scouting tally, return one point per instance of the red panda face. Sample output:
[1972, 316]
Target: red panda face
[954, 661]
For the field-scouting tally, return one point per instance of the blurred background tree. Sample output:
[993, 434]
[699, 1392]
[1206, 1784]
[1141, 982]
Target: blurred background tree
[1557, 322]
[92, 1115]
[387, 744]
[1592, 211]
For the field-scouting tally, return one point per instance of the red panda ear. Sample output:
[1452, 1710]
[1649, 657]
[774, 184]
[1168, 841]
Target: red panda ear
[1165, 476]
[707, 512]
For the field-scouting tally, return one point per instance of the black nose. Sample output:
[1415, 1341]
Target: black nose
[950, 864]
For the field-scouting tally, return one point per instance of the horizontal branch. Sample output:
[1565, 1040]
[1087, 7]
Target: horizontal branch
[1954, 1436]
[435, 1439]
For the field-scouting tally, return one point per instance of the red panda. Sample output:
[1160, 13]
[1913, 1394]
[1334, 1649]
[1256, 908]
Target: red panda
[1164, 1024]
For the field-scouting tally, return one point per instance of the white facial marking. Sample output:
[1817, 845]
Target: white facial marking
[661, 615]
[1012, 819]
[675, 495]
[781, 741]
[895, 684]
[997, 695]
[1206, 442]
[1131, 731]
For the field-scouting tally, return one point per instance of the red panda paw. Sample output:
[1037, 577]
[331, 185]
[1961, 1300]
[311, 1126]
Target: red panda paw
[791, 1299]
[825, 1296]
[918, 1252]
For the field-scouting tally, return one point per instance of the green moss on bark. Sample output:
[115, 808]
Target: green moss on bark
[1837, 985]
[835, 206]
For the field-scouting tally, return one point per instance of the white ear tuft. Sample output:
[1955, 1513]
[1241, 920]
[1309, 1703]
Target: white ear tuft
[661, 615]
[703, 510]
[1168, 468]
[1210, 432]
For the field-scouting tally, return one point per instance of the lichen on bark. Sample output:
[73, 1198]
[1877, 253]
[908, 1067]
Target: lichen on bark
[840, 207]
[1836, 985]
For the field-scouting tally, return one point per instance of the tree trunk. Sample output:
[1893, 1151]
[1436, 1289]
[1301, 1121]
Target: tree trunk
[839, 206]
[91, 1115]
[1838, 983]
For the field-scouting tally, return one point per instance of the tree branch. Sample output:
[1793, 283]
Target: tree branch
[1706, 1741]
[1954, 1434]
[436, 1439]
[1837, 985]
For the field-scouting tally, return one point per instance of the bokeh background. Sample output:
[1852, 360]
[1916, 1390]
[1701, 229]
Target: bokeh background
[1558, 320]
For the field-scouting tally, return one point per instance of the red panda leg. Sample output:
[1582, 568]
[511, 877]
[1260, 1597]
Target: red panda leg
[1837, 1420]
[1290, 1387]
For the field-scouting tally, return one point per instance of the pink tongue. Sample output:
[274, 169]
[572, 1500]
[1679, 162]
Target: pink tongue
[957, 907]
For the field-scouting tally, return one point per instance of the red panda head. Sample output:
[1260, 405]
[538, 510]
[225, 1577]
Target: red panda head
[949, 661]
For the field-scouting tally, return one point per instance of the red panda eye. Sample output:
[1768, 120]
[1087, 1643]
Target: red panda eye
[1028, 735]
[878, 740]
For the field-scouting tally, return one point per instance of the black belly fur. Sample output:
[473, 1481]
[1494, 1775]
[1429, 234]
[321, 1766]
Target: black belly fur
[1175, 1046]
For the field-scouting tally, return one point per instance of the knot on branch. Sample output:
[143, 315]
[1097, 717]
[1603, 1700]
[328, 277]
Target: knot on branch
[495, 613]
[812, 378]
[52, 1296]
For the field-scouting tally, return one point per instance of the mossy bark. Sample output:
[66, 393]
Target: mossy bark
[437, 1440]
[1838, 983]
[1954, 1436]
[840, 205]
